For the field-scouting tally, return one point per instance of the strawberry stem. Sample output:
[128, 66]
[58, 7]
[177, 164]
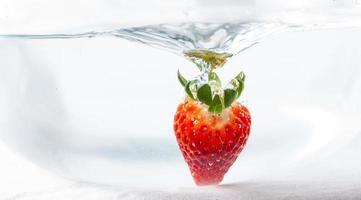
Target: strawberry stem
[213, 59]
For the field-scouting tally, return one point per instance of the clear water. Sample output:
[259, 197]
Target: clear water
[218, 37]
[68, 105]
[225, 37]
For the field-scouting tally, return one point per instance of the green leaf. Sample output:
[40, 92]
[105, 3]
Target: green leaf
[240, 88]
[204, 94]
[217, 105]
[229, 96]
[233, 83]
[241, 77]
[214, 77]
[188, 90]
[181, 79]
[238, 83]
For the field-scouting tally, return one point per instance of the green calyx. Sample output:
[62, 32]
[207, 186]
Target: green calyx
[207, 88]
[211, 92]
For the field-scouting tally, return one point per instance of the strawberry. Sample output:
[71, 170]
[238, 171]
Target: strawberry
[211, 127]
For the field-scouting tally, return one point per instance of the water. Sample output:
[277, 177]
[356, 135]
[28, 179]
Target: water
[72, 106]
[79, 127]
[230, 38]
[230, 26]
[225, 37]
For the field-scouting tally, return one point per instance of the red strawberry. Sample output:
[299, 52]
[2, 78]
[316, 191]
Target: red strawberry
[211, 127]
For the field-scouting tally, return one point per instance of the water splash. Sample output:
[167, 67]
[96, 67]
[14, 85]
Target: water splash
[226, 37]
[177, 38]
[231, 38]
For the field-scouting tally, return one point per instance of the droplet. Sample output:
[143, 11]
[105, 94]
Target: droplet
[210, 164]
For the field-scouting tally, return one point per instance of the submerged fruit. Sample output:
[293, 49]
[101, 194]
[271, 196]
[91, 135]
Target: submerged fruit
[210, 125]
[210, 143]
